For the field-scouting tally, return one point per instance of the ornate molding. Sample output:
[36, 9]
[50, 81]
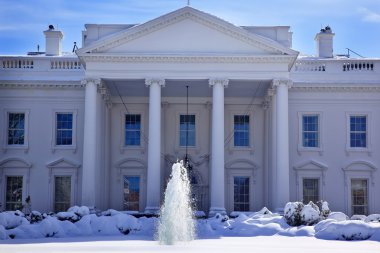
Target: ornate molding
[42, 84]
[188, 58]
[279, 82]
[159, 81]
[335, 88]
[215, 81]
[88, 81]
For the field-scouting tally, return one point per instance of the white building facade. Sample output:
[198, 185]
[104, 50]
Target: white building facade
[262, 125]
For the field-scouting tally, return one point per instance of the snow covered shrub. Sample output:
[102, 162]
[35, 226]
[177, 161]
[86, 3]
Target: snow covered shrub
[3, 233]
[358, 217]
[324, 207]
[12, 219]
[80, 210]
[338, 216]
[35, 217]
[310, 214]
[70, 216]
[373, 218]
[292, 213]
[346, 230]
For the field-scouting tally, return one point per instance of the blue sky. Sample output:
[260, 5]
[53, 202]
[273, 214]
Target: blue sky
[356, 23]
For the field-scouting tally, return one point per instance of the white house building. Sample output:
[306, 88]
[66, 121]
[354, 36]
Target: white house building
[264, 125]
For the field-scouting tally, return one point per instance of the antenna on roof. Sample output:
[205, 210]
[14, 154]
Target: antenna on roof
[75, 47]
[352, 51]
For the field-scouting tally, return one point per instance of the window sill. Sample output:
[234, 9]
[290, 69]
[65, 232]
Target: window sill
[241, 149]
[24, 147]
[358, 150]
[301, 150]
[64, 147]
[132, 148]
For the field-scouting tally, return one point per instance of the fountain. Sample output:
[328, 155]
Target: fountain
[176, 217]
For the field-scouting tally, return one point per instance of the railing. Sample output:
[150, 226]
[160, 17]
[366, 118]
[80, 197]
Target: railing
[40, 63]
[17, 64]
[336, 65]
[65, 64]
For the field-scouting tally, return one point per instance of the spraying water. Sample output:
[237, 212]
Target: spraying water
[176, 218]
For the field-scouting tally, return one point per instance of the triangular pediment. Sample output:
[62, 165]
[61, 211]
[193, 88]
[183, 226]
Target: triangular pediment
[186, 31]
[62, 163]
[310, 165]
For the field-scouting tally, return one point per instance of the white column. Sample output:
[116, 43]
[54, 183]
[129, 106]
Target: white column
[217, 186]
[154, 146]
[90, 143]
[282, 142]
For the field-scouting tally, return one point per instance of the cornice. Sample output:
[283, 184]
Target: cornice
[42, 84]
[340, 88]
[187, 59]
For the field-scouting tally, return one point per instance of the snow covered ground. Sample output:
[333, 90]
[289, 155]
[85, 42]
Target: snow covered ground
[111, 231]
[267, 244]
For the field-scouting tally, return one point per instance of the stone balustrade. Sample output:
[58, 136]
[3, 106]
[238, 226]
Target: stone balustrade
[336, 65]
[40, 63]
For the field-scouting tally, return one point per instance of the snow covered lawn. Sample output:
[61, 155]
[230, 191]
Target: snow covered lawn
[266, 244]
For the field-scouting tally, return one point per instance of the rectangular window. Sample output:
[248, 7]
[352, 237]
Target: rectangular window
[132, 129]
[131, 193]
[359, 196]
[13, 198]
[358, 131]
[187, 130]
[241, 130]
[310, 131]
[310, 190]
[64, 129]
[241, 194]
[16, 128]
[62, 193]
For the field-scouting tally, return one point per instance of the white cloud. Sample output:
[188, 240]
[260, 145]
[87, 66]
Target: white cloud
[369, 16]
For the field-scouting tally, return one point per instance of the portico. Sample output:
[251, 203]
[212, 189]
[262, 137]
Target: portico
[157, 61]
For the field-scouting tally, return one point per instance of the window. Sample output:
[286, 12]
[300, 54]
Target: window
[358, 131]
[241, 130]
[310, 188]
[187, 130]
[62, 193]
[13, 198]
[241, 194]
[359, 196]
[310, 131]
[16, 128]
[64, 129]
[132, 129]
[131, 193]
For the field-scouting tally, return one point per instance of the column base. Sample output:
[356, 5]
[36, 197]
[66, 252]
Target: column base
[215, 210]
[152, 210]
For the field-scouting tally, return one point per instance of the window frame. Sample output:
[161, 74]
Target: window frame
[71, 189]
[249, 132]
[367, 196]
[319, 188]
[368, 147]
[73, 145]
[197, 146]
[249, 193]
[180, 131]
[24, 146]
[301, 147]
[125, 130]
[251, 147]
[140, 191]
[122, 118]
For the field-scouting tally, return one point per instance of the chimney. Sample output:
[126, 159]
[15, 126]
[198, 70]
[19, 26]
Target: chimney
[324, 41]
[53, 41]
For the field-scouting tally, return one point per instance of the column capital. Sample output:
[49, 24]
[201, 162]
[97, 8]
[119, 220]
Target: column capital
[159, 81]
[278, 82]
[214, 81]
[87, 81]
